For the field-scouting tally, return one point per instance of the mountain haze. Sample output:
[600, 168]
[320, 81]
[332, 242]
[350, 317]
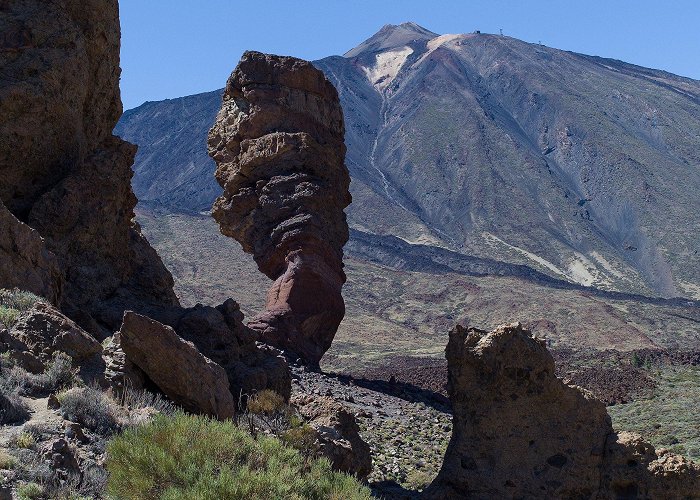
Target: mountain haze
[582, 168]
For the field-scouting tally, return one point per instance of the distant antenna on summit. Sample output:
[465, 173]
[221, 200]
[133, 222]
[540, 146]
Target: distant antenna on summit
[501, 31]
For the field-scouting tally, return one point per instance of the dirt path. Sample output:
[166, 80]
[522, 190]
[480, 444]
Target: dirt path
[39, 413]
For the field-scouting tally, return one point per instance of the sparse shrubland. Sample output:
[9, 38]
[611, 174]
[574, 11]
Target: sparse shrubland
[186, 456]
[13, 303]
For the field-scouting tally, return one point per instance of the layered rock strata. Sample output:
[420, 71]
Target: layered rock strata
[278, 145]
[63, 172]
[519, 432]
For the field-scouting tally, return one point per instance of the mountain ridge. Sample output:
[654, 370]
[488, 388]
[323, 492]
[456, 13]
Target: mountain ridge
[493, 147]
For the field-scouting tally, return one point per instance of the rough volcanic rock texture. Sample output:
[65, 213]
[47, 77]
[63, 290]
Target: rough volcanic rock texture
[337, 434]
[42, 331]
[220, 335]
[25, 260]
[278, 145]
[62, 170]
[176, 366]
[519, 432]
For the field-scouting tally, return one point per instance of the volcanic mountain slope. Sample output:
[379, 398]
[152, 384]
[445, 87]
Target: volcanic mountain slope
[583, 168]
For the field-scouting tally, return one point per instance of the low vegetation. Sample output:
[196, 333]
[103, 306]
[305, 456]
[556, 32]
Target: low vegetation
[669, 418]
[185, 456]
[13, 303]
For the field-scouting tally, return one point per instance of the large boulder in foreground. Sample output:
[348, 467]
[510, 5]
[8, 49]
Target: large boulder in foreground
[519, 432]
[219, 334]
[41, 332]
[337, 434]
[63, 172]
[278, 145]
[176, 366]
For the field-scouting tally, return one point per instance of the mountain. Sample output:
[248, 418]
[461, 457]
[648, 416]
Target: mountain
[581, 168]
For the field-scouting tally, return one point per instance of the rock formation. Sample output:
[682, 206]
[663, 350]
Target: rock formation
[519, 432]
[25, 260]
[217, 334]
[184, 374]
[337, 434]
[278, 145]
[43, 331]
[63, 172]
[220, 335]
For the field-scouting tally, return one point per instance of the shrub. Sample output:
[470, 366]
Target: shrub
[8, 317]
[12, 409]
[90, 407]
[303, 438]
[266, 402]
[23, 440]
[18, 299]
[7, 461]
[133, 399]
[30, 491]
[58, 375]
[185, 456]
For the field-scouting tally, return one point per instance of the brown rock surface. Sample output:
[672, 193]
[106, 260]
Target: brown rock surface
[184, 374]
[43, 331]
[278, 145]
[63, 172]
[337, 434]
[25, 260]
[220, 335]
[519, 432]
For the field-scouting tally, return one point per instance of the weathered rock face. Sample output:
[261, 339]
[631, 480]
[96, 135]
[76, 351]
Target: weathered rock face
[63, 172]
[278, 145]
[25, 260]
[519, 432]
[217, 333]
[176, 366]
[337, 434]
[41, 332]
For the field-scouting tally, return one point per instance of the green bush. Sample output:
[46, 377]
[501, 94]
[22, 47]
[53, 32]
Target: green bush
[8, 317]
[30, 491]
[193, 457]
[18, 299]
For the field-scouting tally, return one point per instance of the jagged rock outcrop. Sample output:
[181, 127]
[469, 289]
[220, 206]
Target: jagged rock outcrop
[278, 145]
[217, 333]
[519, 432]
[176, 366]
[43, 331]
[25, 260]
[63, 172]
[337, 434]
[220, 335]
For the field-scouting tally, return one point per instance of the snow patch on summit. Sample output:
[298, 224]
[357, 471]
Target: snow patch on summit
[386, 67]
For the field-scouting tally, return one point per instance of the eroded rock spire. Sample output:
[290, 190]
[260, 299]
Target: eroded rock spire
[278, 145]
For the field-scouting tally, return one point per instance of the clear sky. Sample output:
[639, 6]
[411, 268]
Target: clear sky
[173, 48]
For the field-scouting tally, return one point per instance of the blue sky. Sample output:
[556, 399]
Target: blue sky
[172, 48]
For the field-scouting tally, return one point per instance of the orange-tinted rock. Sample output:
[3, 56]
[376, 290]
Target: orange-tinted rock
[63, 172]
[278, 145]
